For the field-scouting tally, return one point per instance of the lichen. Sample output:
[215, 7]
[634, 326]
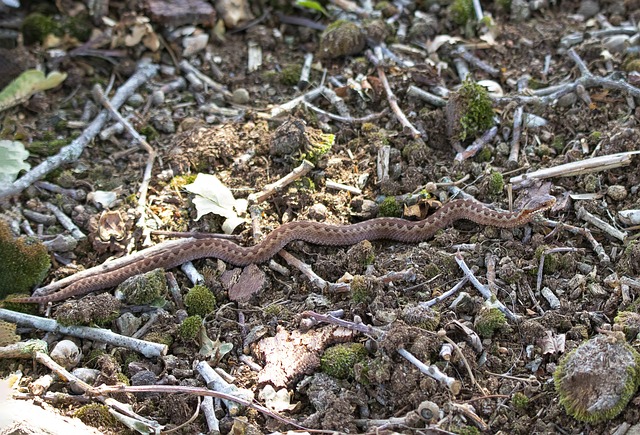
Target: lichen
[629, 323]
[200, 301]
[338, 361]
[24, 262]
[189, 328]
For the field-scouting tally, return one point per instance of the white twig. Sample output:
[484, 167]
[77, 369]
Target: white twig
[147, 348]
[71, 152]
[452, 384]
[270, 189]
[597, 222]
[66, 222]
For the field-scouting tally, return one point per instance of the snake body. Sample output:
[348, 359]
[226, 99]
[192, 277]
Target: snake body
[397, 229]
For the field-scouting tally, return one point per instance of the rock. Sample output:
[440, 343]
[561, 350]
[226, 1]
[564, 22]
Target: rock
[176, 13]
[67, 354]
[240, 96]
[617, 192]
[342, 38]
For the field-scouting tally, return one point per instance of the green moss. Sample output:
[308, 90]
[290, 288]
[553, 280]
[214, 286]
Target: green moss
[390, 207]
[189, 328]
[338, 361]
[200, 301]
[159, 337]
[24, 262]
[476, 109]
[97, 310]
[96, 415]
[123, 379]
[80, 27]
[520, 401]
[496, 183]
[488, 321]
[629, 322]
[36, 27]
[290, 74]
[467, 430]
[46, 148]
[551, 261]
[146, 289]
[558, 143]
[361, 289]
[149, 132]
[462, 11]
[504, 5]
[484, 155]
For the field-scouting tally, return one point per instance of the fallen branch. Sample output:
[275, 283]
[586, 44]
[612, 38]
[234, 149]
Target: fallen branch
[71, 152]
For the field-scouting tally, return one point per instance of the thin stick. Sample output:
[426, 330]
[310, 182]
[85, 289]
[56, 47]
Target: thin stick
[71, 152]
[272, 188]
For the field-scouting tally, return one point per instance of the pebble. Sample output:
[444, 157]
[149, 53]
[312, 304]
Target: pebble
[66, 353]
[318, 212]
[617, 192]
[240, 96]
[136, 100]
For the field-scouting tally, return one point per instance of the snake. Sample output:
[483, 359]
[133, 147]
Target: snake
[318, 233]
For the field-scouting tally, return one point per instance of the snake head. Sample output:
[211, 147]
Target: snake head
[537, 205]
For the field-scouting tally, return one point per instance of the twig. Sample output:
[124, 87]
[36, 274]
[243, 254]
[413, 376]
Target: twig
[475, 61]
[148, 349]
[190, 69]
[597, 222]
[484, 290]
[71, 152]
[66, 222]
[270, 189]
[339, 186]
[517, 123]
[587, 80]
[542, 257]
[314, 279]
[597, 247]
[391, 98]
[98, 93]
[430, 98]
[292, 104]
[452, 384]
[371, 331]
[477, 145]
[446, 294]
[347, 120]
[595, 164]
[77, 194]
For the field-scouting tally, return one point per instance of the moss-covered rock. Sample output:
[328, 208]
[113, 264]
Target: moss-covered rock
[469, 111]
[338, 361]
[596, 381]
[341, 38]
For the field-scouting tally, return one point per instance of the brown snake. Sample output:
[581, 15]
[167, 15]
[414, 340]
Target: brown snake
[313, 232]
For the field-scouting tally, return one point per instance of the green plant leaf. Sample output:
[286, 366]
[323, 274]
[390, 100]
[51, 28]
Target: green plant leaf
[27, 84]
[12, 161]
[309, 4]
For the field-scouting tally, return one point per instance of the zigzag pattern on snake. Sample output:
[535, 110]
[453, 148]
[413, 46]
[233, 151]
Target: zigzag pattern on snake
[396, 229]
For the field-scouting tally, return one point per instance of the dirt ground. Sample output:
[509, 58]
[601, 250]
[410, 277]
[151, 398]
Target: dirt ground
[504, 377]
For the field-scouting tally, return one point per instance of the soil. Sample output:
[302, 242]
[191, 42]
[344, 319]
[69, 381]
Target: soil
[261, 311]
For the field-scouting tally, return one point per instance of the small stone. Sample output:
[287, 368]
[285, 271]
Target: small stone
[588, 8]
[67, 354]
[136, 100]
[145, 377]
[194, 44]
[163, 122]
[567, 100]
[128, 324]
[617, 192]
[341, 38]
[318, 212]
[240, 96]
[520, 10]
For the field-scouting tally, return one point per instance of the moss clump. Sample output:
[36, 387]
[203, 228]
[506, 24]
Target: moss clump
[421, 316]
[149, 132]
[341, 38]
[200, 301]
[629, 323]
[36, 27]
[596, 381]
[317, 144]
[79, 27]
[159, 337]
[551, 261]
[96, 415]
[361, 289]
[390, 207]
[484, 155]
[496, 183]
[478, 115]
[189, 328]
[145, 289]
[290, 74]
[462, 11]
[338, 361]
[520, 401]
[24, 262]
[97, 310]
[488, 321]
